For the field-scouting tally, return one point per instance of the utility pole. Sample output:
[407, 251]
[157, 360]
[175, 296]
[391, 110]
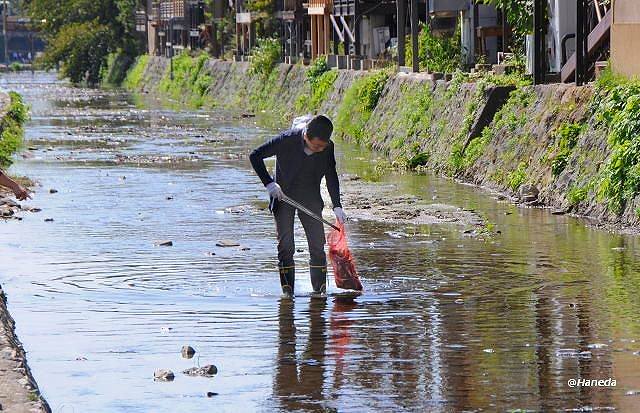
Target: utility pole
[402, 23]
[4, 31]
[414, 36]
[171, 48]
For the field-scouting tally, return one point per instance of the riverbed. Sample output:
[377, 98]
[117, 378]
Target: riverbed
[452, 318]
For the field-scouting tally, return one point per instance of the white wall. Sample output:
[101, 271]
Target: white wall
[369, 47]
[562, 20]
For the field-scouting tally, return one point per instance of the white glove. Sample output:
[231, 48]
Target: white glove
[340, 215]
[275, 191]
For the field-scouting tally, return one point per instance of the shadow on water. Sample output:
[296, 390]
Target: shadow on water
[447, 322]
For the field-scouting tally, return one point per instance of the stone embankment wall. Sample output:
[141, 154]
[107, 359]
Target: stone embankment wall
[546, 146]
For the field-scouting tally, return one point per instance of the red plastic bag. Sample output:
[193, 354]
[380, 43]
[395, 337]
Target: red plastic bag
[344, 268]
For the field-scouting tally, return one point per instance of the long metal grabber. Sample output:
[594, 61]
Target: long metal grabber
[307, 211]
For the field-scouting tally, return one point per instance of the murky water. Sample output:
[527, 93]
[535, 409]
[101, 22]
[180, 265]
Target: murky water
[447, 323]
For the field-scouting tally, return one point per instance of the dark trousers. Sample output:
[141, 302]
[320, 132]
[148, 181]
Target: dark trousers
[284, 215]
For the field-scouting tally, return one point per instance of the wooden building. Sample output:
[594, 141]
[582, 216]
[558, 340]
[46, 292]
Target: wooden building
[319, 12]
[245, 29]
[174, 25]
[294, 23]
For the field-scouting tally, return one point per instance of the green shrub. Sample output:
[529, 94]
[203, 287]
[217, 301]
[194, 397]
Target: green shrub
[321, 79]
[190, 82]
[265, 57]
[358, 104]
[82, 48]
[566, 139]
[11, 131]
[617, 108]
[316, 70]
[419, 159]
[115, 70]
[436, 53]
[577, 194]
[517, 177]
[134, 76]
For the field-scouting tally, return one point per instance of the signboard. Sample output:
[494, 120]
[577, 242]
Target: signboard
[194, 33]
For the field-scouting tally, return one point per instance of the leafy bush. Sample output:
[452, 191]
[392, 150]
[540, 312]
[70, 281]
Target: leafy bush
[358, 104]
[577, 194]
[134, 75]
[11, 131]
[115, 70]
[316, 70]
[437, 53]
[566, 139]
[80, 34]
[519, 16]
[190, 82]
[265, 57]
[617, 108]
[82, 48]
[517, 177]
[319, 90]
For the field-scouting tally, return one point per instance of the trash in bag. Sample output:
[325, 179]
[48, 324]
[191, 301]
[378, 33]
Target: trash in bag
[344, 267]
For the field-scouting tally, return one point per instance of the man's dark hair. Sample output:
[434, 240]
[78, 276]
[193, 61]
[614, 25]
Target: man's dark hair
[320, 127]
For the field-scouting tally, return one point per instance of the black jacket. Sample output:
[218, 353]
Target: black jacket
[288, 148]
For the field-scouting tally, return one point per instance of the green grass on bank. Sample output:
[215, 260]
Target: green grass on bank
[11, 129]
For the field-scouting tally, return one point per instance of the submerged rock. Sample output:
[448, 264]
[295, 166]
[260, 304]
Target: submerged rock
[188, 352]
[205, 371]
[163, 375]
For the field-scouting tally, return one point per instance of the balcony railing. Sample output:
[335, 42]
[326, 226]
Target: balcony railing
[320, 3]
[319, 6]
[171, 9]
[344, 7]
[290, 5]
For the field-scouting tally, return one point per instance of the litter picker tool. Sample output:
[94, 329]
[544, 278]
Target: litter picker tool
[307, 211]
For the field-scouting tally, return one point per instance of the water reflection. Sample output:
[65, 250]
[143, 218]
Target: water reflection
[300, 368]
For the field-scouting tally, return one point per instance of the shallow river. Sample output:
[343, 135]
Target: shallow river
[447, 322]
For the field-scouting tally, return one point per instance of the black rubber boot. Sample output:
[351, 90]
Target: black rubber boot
[287, 280]
[319, 279]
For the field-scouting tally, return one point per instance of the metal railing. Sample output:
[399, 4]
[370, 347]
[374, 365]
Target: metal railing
[171, 9]
[320, 3]
[344, 7]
